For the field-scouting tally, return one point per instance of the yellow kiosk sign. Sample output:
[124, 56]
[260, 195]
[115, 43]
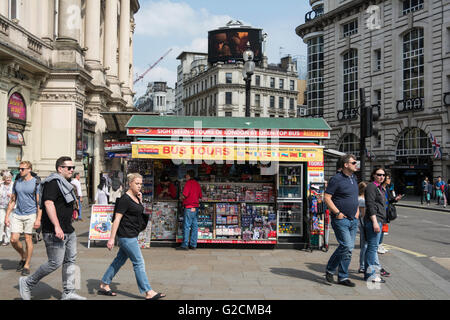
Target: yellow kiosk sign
[232, 152]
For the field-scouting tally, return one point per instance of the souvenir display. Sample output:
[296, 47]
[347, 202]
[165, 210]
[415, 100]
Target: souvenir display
[164, 217]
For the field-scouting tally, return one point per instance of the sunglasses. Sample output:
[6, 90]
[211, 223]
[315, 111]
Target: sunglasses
[22, 169]
[69, 167]
[353, 163]
[381, 175]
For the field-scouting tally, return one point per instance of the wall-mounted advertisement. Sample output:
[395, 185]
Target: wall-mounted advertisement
[17, 109]
[228, 45]
[79, 135]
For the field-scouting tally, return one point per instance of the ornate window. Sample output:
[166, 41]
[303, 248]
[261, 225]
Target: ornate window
[315, 90]
[412, 5]
[351, 79]
[413, 64]
[350, 144]
[414, 142]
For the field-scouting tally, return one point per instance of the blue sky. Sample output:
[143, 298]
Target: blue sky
[184, 26]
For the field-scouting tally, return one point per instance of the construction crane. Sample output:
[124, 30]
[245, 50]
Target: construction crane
[151, 67]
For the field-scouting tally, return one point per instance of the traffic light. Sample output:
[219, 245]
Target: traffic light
[366, 122]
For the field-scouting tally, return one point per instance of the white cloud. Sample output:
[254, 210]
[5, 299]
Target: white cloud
[166, 18]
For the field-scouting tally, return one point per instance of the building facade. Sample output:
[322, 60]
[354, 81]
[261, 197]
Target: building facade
[218, 90]
[62, 63]
[159, 98]
[398, 51]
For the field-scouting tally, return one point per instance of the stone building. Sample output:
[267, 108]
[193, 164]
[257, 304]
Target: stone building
[62, 63]
[399, 52]
[159, 98]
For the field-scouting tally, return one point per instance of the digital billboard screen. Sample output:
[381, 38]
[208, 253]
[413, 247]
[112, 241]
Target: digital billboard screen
[229, 44]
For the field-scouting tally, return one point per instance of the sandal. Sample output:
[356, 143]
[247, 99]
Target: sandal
[108, 293]
[157, 296]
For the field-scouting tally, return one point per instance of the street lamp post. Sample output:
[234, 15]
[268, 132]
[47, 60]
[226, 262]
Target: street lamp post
[249, 69]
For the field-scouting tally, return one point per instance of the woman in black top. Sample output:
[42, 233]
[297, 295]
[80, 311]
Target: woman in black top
[374, 217]
[129, 221]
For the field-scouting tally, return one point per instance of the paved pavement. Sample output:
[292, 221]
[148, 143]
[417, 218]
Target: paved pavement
[223, 274]
[414, 202]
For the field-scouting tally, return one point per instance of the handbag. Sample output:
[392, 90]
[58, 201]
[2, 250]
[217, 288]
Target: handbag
[391, 213]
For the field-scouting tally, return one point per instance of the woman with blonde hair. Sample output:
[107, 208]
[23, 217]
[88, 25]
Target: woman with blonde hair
[128, 221]
[6, 190]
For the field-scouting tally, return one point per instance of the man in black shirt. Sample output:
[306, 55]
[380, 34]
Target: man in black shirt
[58, 203]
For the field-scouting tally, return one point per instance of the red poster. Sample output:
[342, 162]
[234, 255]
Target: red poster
[16, 107]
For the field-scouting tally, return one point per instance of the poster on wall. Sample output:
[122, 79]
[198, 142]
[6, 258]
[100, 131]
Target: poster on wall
[100, 224]
[79, 135]
[17, 109]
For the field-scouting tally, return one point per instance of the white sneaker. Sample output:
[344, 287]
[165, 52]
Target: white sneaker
[72, 296]
[24, 289]
[381, 250]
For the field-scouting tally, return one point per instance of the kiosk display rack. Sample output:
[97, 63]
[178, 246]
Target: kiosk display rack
[290, 201]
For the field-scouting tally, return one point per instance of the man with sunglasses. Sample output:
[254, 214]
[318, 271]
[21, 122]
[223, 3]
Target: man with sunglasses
[58, 203]
[341, 197]
[27, 214]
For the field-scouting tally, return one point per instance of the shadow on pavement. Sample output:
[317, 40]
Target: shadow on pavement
[42, 291]
[9, 264]
[317, 267]
[295, 273]
[94, 284]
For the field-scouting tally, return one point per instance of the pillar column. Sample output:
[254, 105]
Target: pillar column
[47, 19]
[111, 38]
[69, 20]
[124, 44]
[92, 37]
[110, 48]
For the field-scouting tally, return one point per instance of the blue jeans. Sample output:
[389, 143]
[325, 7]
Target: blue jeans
[190, 228]
[363, 247]
[371, 264]
[60, 253]
[129, 248]
[345, 232]
[79, 209]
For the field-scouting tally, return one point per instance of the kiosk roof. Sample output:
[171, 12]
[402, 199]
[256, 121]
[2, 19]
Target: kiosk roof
[146, 121]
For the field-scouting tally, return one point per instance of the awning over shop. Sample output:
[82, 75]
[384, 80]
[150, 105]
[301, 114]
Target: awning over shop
[116, 121]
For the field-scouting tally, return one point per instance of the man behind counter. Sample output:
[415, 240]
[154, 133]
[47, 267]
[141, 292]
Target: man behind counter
[166, 189]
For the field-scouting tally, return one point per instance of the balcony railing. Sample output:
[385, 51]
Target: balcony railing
[447, 99]
[407, 105]
[348, 114]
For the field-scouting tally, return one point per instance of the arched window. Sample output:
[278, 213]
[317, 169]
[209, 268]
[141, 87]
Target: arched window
[350, 144]
[351, 79]
[414, 142]
[413, 64]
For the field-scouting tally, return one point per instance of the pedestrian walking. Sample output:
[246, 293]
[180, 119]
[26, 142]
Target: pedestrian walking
[341, 197]
[77, 184]
[439, 186]
[362, 237]
[129, 220]
[192, 193]
[58, 203]
[429, 193]
[424, 197]
[374, 217]
[27, 214]
[6, 190]
[101, 196]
